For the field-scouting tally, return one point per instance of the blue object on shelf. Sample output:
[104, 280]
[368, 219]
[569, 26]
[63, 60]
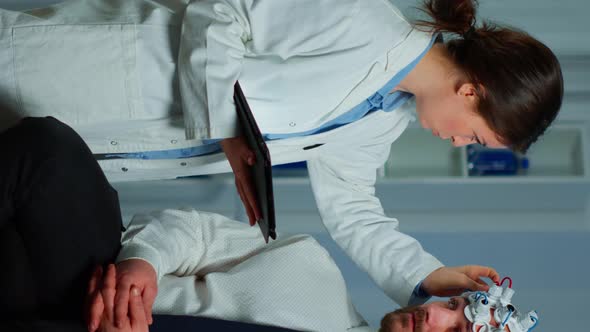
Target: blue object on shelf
[483, 161]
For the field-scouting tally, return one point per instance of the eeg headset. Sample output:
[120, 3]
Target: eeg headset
[505, 314]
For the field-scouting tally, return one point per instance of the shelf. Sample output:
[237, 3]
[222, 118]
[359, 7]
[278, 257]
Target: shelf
[560, 153]
[417, 153]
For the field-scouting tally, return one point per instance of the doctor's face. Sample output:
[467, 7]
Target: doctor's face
[432, 317]
[451, 115]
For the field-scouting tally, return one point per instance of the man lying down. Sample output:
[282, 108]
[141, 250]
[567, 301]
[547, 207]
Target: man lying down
[60, 218]
[204, 264]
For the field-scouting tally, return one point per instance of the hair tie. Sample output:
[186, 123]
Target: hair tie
[469, 33]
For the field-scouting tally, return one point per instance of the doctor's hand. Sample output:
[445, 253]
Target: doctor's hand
[452, 281]
[241, 159]
[129, 273]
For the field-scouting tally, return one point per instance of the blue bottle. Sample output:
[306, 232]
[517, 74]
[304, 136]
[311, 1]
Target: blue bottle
[483, 161]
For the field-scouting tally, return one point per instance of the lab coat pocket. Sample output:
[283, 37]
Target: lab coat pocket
[80, 74]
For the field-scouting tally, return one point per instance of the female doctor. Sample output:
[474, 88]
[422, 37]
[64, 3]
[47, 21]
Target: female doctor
[328, 82]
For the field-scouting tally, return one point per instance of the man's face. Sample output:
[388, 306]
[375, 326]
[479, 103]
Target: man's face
[432, 317]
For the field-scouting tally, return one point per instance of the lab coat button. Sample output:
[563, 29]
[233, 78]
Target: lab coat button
[114, 142]
[173, 141]
[183, 164]
[124, 169]
[292, 124]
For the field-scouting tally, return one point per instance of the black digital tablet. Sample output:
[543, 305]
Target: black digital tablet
[262, 170]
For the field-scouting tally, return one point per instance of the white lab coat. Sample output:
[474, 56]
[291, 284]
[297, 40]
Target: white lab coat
[208, 265]
[118, 72]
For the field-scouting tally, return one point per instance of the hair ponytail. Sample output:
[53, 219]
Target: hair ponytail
[454, 16]
[518, 79]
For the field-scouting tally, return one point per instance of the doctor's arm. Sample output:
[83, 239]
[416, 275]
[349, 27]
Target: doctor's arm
[219, 36]
[344, 188]
[212, 47]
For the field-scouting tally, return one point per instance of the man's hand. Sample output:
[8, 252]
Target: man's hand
[138, 273]
[452, 281]
[103, 293]
[136, 322]
[241, 158]
[129, 273]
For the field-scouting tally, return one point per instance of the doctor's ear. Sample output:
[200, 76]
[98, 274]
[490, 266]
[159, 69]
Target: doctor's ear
[470, 91]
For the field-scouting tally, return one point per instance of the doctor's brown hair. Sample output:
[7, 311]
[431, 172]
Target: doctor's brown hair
[518, 79]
